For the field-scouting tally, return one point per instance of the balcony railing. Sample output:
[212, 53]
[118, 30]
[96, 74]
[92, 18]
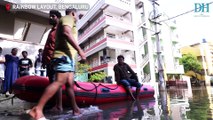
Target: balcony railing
[93, 43]
[144, 59]
[179, 68]
[103, 62]
[107, 59]
[117, 18]
[91, 26]
[147, 78]
[177, 54]
[117, 37]
[121, 38]
[102, 17]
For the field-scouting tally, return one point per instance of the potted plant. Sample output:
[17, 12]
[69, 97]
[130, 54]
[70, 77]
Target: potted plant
[97, 77]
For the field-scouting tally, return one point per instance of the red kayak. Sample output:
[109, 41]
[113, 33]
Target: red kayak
[30, 88]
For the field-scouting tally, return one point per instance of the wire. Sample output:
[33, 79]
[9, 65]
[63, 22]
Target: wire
[180, 14]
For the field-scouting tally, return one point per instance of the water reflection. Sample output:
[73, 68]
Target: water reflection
[194, 106]
[200, 105]
[174, 104]
[128, 110]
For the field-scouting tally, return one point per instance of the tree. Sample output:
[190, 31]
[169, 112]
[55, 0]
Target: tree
[190, 62]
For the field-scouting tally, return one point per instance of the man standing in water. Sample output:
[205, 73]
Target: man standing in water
[66, 48]
[47, 56]
[122, 76]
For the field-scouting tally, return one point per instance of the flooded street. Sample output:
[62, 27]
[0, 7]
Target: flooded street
[176, 104]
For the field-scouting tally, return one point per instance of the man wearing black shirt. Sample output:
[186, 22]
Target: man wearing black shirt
[123, 76]
[24, 65]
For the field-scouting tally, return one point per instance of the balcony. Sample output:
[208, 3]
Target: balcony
[175, 41]
[103, 22]
[146, 79]
[103, 42]
[177, 69]
[120, 7]
[92, 29]
[145, 60]
[174, 38]
[119, 22]
[100, 4]
[123, 5]
[177, 54]
[106, 58]
[107, 63]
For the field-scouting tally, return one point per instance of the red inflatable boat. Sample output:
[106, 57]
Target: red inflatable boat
[30, 88]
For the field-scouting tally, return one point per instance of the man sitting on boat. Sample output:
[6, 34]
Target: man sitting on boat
[125, 76]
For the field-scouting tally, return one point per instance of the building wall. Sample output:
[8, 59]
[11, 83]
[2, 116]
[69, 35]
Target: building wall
[168, 43]
[142, 35]
[142, 50]
[6, 22]
[109, 40]
[22, 30]
[170, 48]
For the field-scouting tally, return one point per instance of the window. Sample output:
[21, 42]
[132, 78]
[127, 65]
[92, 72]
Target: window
[144, 32]
[19, 29]
[35, 33]
[110, 35]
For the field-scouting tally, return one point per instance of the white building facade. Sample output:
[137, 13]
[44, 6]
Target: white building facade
[111, 28]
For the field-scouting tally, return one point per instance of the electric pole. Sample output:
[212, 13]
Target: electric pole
[153, 19]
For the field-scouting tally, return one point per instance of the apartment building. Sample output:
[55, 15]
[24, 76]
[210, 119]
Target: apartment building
[105, 32]
[168, 43]
[111, 28]
[204, 53]
[170, 48]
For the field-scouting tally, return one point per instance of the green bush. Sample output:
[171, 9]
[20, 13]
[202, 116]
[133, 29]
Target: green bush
[97, 77]
[82, 68]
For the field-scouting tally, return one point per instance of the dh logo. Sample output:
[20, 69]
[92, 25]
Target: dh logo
[201, 7]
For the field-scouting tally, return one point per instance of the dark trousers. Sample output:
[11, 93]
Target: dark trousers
[50, 73]
[1, 85]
